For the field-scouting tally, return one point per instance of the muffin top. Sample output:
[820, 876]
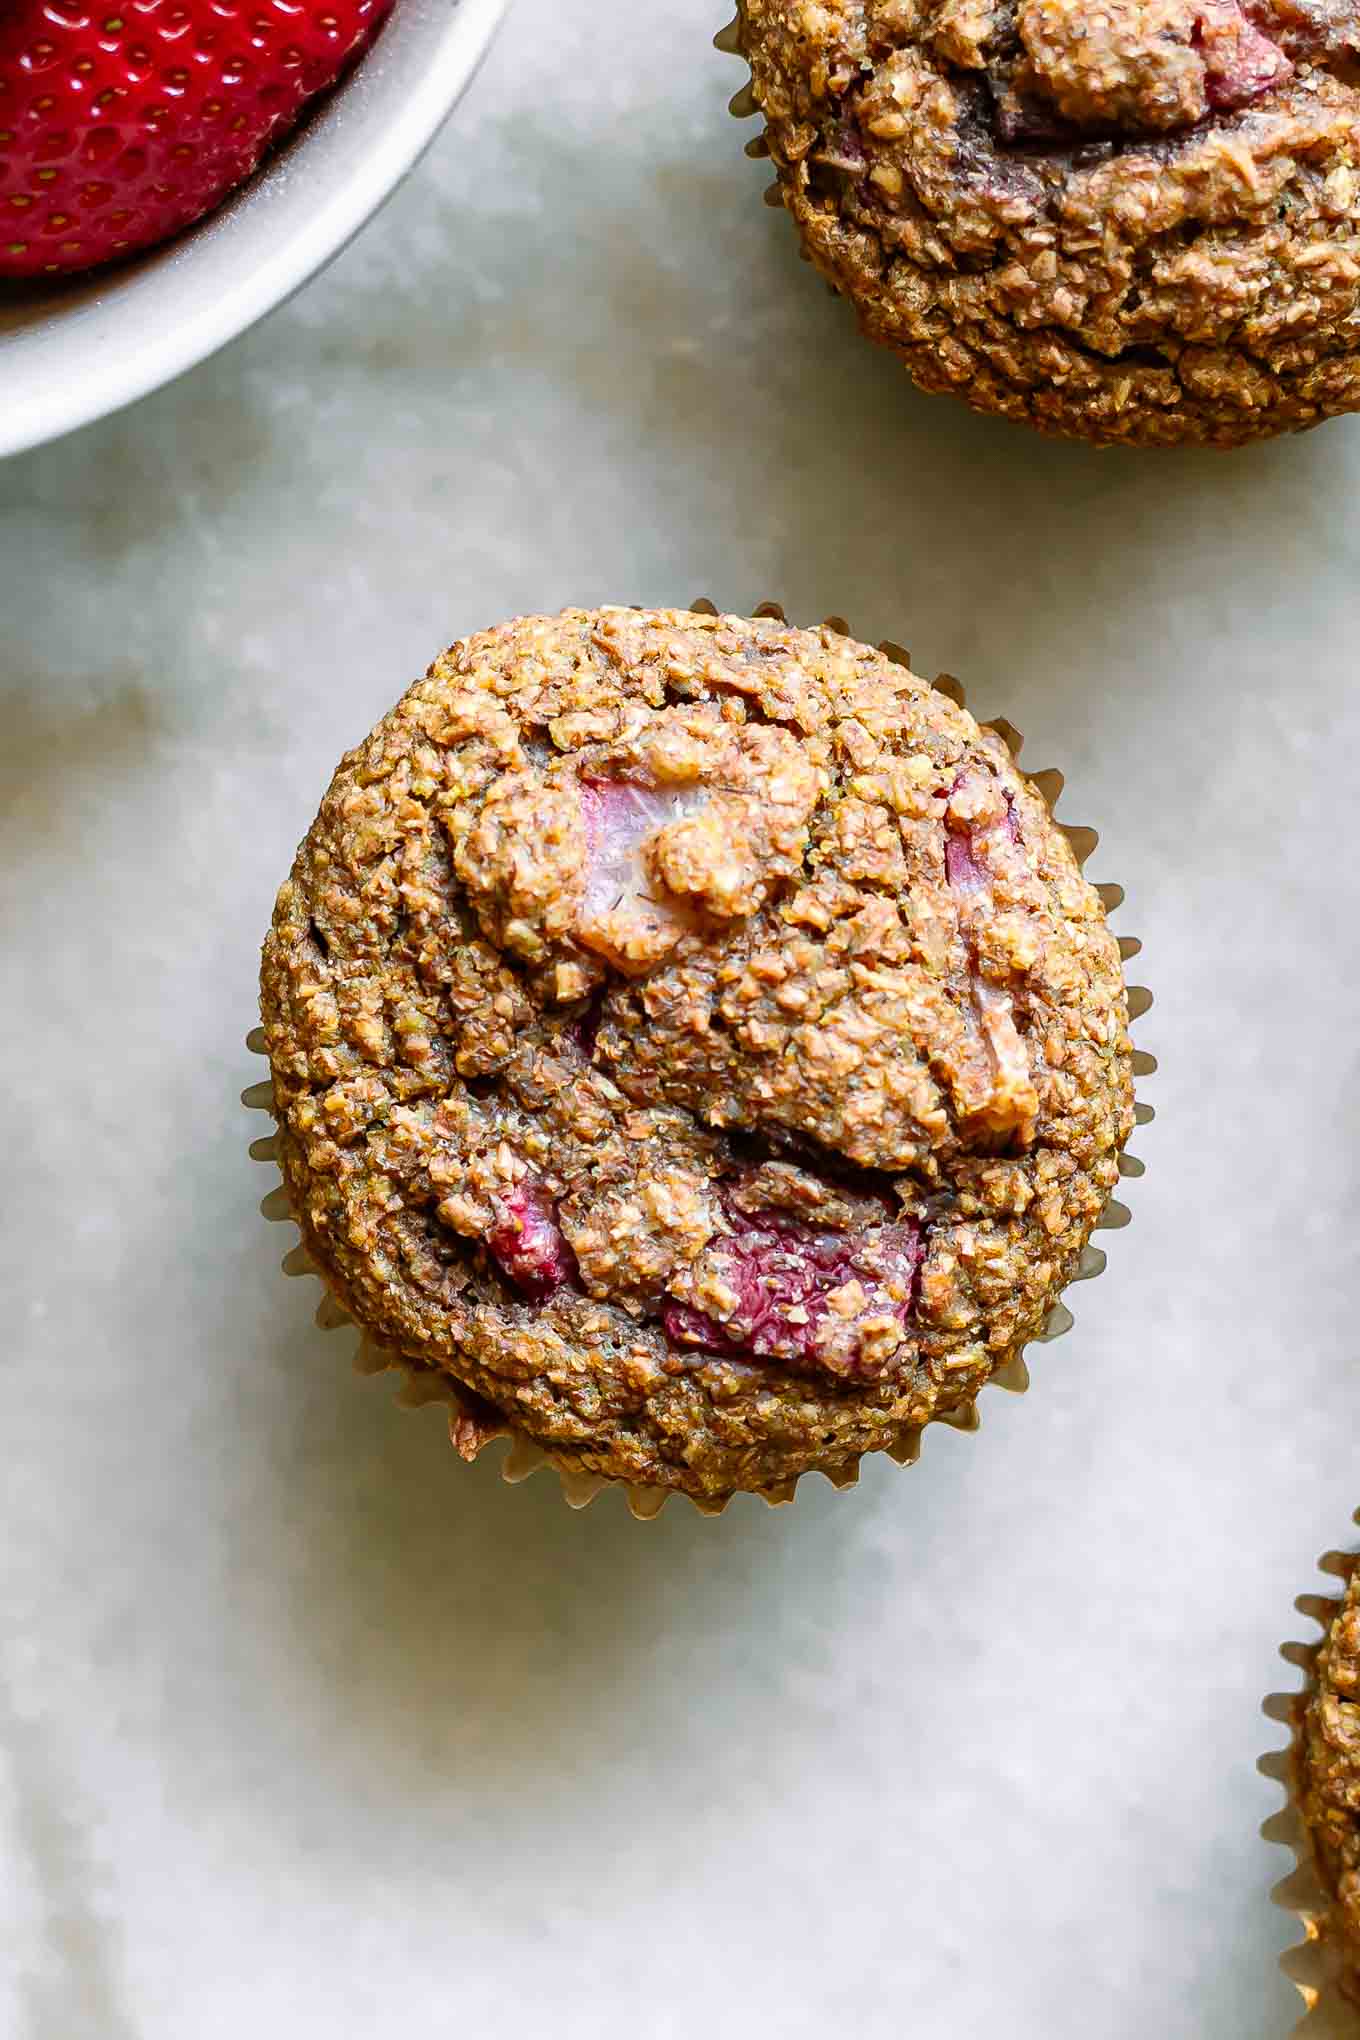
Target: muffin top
[695, 1036]
[1132, 221]
[1329, 1762]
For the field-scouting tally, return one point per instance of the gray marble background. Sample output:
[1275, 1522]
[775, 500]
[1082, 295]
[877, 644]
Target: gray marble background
[307, 1731]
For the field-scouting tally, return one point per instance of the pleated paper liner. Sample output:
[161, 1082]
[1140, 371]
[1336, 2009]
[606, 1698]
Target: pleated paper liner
[1315, 1966]
[743, 105]
[473, 1424]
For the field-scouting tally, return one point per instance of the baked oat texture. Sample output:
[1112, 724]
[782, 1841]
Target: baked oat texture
[694, 1036]
[1131, 221]
[1328, 1781]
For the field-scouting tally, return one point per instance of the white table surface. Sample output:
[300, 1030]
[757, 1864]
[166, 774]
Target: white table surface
[305, 1730]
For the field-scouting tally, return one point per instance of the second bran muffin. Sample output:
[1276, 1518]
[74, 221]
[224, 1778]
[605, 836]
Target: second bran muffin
[696, 1037]
[1137, 221]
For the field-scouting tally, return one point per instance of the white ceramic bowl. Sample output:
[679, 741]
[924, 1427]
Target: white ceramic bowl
[72, 352]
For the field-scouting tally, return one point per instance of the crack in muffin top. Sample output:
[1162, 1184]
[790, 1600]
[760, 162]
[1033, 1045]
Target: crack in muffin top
[1330, 1774]
[694, 1035]
[1136, 220]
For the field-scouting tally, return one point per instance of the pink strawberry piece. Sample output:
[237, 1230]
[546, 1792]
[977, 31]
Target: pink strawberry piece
[783, 1273]
[625, 915]
[1240, 63]
[123, 121]
[1013, 1103]
[963, 868]
[528, 1243]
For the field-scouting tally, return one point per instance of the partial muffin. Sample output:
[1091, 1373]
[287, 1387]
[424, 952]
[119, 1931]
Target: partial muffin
[694, 1036]
[1327, 1786]
[1133, 222]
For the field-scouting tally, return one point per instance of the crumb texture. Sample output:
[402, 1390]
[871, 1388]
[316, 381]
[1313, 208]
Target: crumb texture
[695, 1036]
[1129, 221]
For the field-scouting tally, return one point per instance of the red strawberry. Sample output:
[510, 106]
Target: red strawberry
[122, 121]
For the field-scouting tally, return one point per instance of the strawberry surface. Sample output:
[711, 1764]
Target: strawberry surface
[122, 122]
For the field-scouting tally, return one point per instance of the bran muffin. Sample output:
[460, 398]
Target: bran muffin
[1135, 221]
[1324, 1778]
[695, 1037]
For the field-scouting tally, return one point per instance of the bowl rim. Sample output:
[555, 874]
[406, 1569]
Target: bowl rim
[125, 373]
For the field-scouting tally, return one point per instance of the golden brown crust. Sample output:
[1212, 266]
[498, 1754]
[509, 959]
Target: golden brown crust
[1328, 1780]
[1134, 222]
[695, 1036]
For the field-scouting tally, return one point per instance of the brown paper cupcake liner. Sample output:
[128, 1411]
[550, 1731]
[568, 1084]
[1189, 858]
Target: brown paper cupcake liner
[475, 1424]
[743, 105]
[1314, 1966]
